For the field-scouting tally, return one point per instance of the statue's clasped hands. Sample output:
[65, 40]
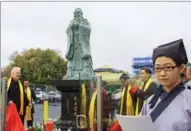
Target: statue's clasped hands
[76, 24]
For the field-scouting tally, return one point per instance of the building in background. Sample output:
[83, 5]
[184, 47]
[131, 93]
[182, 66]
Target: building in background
[139, 62]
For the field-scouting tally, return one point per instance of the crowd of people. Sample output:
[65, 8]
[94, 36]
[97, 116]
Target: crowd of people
[160, 102]
[168, 104]
[22, 96]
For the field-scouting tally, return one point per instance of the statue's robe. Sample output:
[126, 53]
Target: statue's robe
[78, 50]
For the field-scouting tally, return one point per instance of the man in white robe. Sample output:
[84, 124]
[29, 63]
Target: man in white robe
[188, 76]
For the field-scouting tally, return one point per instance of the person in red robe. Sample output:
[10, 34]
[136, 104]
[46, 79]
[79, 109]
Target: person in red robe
[106, 107]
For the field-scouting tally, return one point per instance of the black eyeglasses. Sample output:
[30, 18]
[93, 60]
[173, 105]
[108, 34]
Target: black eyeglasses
[165, 68]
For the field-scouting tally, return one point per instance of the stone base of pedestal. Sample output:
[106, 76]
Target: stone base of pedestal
[71, 104]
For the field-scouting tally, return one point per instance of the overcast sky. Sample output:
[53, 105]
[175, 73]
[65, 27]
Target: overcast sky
[120, 31]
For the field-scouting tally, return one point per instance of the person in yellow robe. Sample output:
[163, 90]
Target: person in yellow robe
[148, 88]
[29, 110]
[106, 107]
[15, 92]
[127, 102]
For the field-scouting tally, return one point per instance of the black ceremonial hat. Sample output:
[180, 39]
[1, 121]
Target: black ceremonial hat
[124, 76]
[174, 50]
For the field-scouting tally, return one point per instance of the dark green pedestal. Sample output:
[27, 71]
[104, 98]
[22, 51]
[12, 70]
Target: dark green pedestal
[70, 104]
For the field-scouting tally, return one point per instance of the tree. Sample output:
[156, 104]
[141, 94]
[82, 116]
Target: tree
[5, 72]
[39, 66]
[188, 64]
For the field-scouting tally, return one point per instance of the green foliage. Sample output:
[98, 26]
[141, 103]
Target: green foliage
[39, 66]
[188, 64]
[38, 127]
[6, 72]
[113, 88]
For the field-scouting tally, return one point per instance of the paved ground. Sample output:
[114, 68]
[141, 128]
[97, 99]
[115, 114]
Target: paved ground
[54, 111]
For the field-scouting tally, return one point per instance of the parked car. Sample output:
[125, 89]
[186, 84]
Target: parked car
[54, 96]
[40, 96]
[38, 89]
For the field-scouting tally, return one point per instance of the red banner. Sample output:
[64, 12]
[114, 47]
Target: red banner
[13, 121]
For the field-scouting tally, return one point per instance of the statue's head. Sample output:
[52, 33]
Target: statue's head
[78, 14]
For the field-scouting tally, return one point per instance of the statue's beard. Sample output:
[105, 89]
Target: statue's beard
[78, 18]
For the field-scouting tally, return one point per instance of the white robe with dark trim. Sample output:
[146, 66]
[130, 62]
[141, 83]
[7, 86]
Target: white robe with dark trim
[176, 117]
